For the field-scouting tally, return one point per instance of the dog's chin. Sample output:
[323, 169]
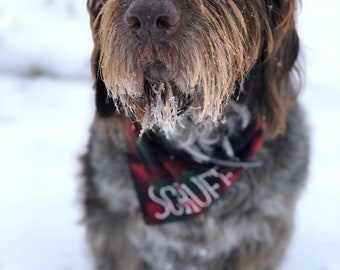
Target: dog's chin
[159, 101]
[157, 72]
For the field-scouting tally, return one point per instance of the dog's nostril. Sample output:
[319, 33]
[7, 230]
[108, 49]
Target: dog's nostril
[163, 23]
[134, 23]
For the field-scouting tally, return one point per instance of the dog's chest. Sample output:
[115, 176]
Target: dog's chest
[203, 239]
[175, 178]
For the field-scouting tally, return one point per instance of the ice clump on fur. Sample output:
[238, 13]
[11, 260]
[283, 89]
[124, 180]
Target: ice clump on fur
[163, 109]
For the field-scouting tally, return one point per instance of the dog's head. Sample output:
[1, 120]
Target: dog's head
[159, 58]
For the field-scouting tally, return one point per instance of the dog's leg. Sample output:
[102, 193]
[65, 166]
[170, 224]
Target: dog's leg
[106, 199]
[261, 256]
[110, 246]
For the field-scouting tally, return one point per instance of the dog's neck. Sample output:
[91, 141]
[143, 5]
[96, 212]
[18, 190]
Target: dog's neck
[200, 140]
[197, 161]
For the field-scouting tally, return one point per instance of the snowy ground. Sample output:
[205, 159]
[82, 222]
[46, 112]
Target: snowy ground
[46, 108]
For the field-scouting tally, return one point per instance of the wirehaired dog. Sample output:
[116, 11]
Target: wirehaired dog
[198, 149]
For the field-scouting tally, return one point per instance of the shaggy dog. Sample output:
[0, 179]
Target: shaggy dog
[198, 149]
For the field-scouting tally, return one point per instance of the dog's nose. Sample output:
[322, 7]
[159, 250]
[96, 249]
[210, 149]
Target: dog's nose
[152, 20]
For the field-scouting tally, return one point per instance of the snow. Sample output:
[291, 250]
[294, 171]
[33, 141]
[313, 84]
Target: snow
[46, 107]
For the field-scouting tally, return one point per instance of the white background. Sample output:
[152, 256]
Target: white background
[46, 107]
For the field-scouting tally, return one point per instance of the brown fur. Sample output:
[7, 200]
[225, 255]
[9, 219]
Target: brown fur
[235, 38]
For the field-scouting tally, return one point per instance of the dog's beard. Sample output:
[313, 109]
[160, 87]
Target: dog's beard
[159, 106]
[154, 82]
[156, 92]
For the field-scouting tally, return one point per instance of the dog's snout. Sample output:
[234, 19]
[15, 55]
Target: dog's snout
[152, 20]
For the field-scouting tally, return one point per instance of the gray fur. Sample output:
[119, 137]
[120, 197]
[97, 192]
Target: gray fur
[248, 229]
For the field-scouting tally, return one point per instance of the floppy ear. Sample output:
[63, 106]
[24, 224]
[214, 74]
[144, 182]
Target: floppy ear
[273, 82]
[104, 104]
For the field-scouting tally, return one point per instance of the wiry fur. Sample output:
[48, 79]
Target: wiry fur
[183, 85]
[219, 45]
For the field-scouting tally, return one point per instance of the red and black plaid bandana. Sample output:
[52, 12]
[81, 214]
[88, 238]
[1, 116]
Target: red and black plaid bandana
[171, 186]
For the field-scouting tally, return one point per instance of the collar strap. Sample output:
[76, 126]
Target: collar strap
[172, 186]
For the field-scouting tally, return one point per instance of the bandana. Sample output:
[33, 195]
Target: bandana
[172, 186]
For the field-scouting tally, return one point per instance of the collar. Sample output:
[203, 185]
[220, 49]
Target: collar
[172, 186]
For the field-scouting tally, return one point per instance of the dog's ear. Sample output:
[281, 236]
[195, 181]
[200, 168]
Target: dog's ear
[274, 81]
[104, 104]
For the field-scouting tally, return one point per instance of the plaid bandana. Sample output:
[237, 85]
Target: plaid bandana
[171, 185]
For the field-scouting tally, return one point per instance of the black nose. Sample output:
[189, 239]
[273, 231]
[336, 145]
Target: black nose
[152, 20]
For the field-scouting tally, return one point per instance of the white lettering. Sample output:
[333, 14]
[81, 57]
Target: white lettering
[207, 196]
[212, 189]
[224, 177]
[153, 197]
[184, 199]
[180, 199]
[173, 192]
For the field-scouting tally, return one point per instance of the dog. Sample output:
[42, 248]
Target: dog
[199, 149]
